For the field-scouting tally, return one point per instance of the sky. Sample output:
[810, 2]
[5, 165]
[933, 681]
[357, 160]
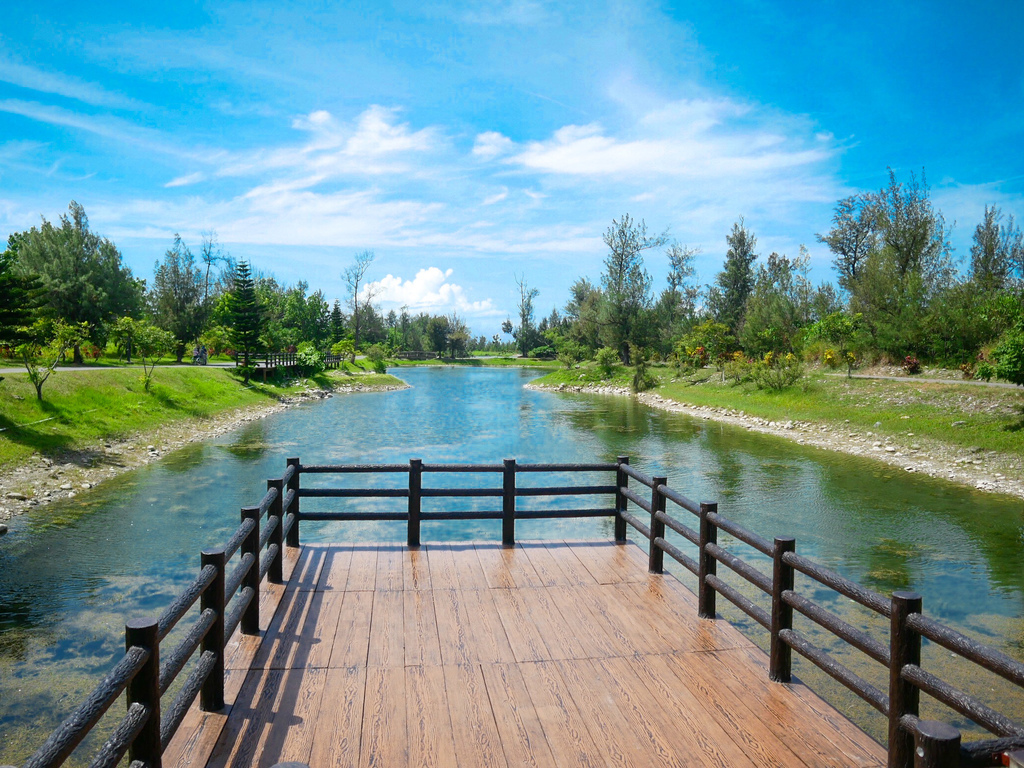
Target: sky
[468, 144]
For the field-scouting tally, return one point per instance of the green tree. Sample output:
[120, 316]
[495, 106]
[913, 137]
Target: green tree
[779, 306]
[437, 334]
[177, 296]
[583, 313]
[997, 251]
[245, 316]
[50, 341]
[81, 274]
[354, 277]
[1009, 355]
[20, 297]
[727, 299]
[337, 323]
[839, 328]
[525, 334]
[626, 285]
[151, 344]
[853, 237]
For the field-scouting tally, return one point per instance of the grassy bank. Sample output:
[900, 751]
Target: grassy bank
[81, 409]
[960, 415]
[485, 362]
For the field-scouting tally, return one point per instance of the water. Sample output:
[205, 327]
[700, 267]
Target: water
[70, 574]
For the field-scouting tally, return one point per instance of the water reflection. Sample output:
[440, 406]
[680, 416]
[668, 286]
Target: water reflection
[71, 573]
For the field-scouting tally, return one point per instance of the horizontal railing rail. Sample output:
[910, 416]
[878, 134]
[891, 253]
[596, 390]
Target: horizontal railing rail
[229, 599]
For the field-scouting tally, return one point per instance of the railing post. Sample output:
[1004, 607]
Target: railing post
[936, 745]
[211, 696]
[508, 503]
[251, 616]
[780, 656]
[621, 481]
[275, 573]
[415, 487]
[293, 485]
[707, 565]
[904, 697]
[656, 557]
[144, 689]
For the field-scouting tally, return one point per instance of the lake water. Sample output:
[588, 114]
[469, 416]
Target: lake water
[70, 574]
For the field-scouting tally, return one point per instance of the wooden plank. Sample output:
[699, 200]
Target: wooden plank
[334, 572]
[676, 612]
[596, 639]
[572, 568]
[473, 726]
[288, 633]
[630, 619]
[561, 638]
[421, 638]
[453, 633]
[353, 635]
[441, 563]
[608, 562]
[544, 564]
[384, 737]
[339, 723]
[487, 633]
[390, 564]
[308, 567]
[324, 614]
[467, 567]
[416, 571]
[362, 570]
[431, 741]
[623, 638]
[507, 567]
[564, 729]
[519, 727]
[387, 630]
[524, 630]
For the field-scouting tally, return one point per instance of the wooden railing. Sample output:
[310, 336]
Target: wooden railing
[271, 360]
[230, 600]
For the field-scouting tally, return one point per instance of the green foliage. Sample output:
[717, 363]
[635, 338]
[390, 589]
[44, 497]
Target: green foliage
[377, 356]
[546, 351]
[643, 379]
[151, 344]
[607, 358]
[727, 300]
[311, 360]
[570, 353]
[20, 296]
[345, 347]
[776, 372]
[245, 318]
[1009, 355]
[177, 297]
[49, 341]
[707, 342]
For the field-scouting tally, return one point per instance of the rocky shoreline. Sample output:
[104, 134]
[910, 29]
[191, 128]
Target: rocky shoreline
[982, 470]
[45, 479]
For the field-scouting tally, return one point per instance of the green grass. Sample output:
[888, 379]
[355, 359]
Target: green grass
[494, 362]
[992, 419]
[81, 409]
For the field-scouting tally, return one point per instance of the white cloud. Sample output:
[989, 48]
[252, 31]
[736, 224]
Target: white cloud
[182, 181]
[429, 291]
[492, 144]
[497, 197]
[58, 84]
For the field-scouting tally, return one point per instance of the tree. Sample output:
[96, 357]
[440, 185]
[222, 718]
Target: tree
[911, 231]
[245, 316]
[627, 286]
[997, 251]
[1009, 355]
[20, 296]
[853, 236]
[81, 274]
[779, 306]
[50, 340]
[839, 328]
[727, 300]
[337, 323]
[210, 253]
[583, 312]
[177, 296]
[354, 277]
[437, 334]
[525, 333]
[151, 344]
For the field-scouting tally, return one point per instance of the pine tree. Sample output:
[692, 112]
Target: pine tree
[245, 315]
[337, 323]
[734, 283]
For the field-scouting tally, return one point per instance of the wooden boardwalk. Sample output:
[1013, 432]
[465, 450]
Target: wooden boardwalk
[553, 654]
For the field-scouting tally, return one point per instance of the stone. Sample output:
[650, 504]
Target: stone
[16, 496]
[3, 529]
[66, 487]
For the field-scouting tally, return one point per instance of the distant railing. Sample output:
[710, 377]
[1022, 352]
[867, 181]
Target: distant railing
[272, 360]
[231, 600]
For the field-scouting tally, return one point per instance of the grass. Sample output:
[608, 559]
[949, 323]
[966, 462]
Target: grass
[493, 362]
[79, 410]
[954, 414]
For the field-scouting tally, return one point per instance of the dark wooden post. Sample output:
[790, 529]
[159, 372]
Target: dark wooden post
[508, 503]
[293, 485]
[936, 745]
[780, 657]
[251, 616]
[144, 689]
[904, 697]
[211, 696]
[621, 481]
[415, 487]
[707, 565]
[275, 574]
[656, 557]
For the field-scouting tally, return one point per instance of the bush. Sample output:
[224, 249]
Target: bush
[911, 365]
[985, 371]
[547, 351]
[1009, 355]
[311, 360]
[378, 358]
[831, 358]
[643, 379]
[607, 358]
[738, 369]
[776, 372]
[570, 354]
[967, 370]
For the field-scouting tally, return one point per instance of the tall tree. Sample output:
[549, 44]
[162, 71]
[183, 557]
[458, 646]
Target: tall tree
[81, 274]
[210, 253]
[525, 332]
[997, 251]
[912, 232]
[20, 296]
[245, 315]
[626, 284]
[337, 323]
[853, 237]
[728, 297]
[177, 296]
[354, 278]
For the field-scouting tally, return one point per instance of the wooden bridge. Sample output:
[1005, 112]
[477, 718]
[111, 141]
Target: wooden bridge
[513, 653]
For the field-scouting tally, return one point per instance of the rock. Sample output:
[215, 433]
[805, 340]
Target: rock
[958, 423]
[66, 487]
[3, 529]
[16, 496]
[87, 485]
[150, 447]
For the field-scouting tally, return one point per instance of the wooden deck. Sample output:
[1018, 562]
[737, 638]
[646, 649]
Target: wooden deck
[554, 654]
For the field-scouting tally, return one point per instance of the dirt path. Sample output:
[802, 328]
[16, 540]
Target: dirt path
[44, 479]
[983, 470]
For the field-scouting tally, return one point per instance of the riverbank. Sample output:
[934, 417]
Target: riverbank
[128, 427]
[941, 430]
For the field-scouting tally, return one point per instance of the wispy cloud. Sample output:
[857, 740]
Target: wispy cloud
[59, 84]
[183, 181]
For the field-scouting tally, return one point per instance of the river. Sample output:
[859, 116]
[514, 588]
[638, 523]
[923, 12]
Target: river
[71, 573]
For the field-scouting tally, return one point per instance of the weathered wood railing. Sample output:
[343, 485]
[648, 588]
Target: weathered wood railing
[271, 360]
[228, 601]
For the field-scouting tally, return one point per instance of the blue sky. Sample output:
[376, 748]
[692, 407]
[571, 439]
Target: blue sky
[465, 144]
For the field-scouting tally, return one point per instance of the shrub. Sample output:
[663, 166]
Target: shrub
[1009, 355]
[967, 370]
[643, 379]
[378, 358]
[607, 358]
[546, 351]
[831, 358]
[776, 372]
[911, 365]
[738, 370]
[311, 360]
[570, 354]
[985, 371]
